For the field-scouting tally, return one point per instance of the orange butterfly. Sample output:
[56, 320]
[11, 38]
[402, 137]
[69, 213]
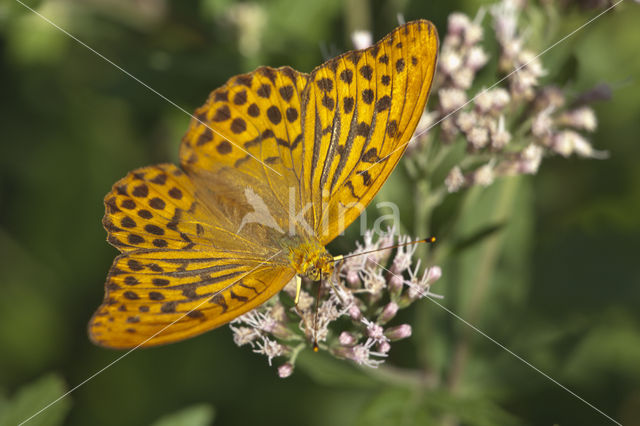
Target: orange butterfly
[274, 166]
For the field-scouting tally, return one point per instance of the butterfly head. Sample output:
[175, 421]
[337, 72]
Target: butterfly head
[320, 268]
[312, 261]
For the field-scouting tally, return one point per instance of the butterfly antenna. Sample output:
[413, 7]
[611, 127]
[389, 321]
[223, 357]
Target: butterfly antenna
[424, 240]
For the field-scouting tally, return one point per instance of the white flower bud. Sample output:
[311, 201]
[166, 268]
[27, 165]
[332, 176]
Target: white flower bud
[451, 99]
[562, 142]
[500, 98]
[355, 313]
[389, 311]
[505, 20]
[400, 332]
[522, 84]
[478, 137]
[531, 63]
[361, 39]
[483, 175]
[449, 62]
[511, 49]
[542, 124]
[483, 101]
[285, 370]
[384, 347]
[396, 284]
[500, 137]
[458, 23]
[347, 339]
[352, 277]
[476, 58]
[454, 180]
[583, 148]
[530, 159]
[466, 120]
[582, 118]
[473, 34]
[463, 78]
[435, 273]
[448, 128]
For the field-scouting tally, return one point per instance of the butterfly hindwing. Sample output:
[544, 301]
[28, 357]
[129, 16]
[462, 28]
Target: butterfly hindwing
[361, 110]
[161, 296]
[182, 261]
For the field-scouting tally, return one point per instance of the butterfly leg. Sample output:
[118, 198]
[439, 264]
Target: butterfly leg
[335, 290]
[301, 315]
[298, 289]
[335, 278]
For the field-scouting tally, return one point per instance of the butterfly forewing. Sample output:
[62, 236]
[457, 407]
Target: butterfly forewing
[252, 126]
[361, 110]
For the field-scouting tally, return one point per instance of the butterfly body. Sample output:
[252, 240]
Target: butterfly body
[274, 166]
[311, 260]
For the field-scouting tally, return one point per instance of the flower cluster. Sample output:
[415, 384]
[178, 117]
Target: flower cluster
[366, 293]
[509, 127]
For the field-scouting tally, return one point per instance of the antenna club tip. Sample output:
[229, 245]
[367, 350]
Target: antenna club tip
[315, 347]
[431, 239]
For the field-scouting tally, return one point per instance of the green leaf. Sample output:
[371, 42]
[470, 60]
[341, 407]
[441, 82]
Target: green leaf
[32, 398]
[196, 415]
[611, 347]
[422, 407]
[479, 236]
[394, 406]
[33, 40]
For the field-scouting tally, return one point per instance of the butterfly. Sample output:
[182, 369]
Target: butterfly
[274, 166]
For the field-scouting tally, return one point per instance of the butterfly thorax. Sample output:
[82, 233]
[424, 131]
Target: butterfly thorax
[310, 259]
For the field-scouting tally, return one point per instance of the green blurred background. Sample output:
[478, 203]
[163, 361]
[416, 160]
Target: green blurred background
[562, 290]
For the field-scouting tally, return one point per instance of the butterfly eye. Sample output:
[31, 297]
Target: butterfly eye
[313, 273]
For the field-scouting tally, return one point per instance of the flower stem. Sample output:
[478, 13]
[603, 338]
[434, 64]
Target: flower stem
[422, 212]
[405, 377]
[296, 351]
